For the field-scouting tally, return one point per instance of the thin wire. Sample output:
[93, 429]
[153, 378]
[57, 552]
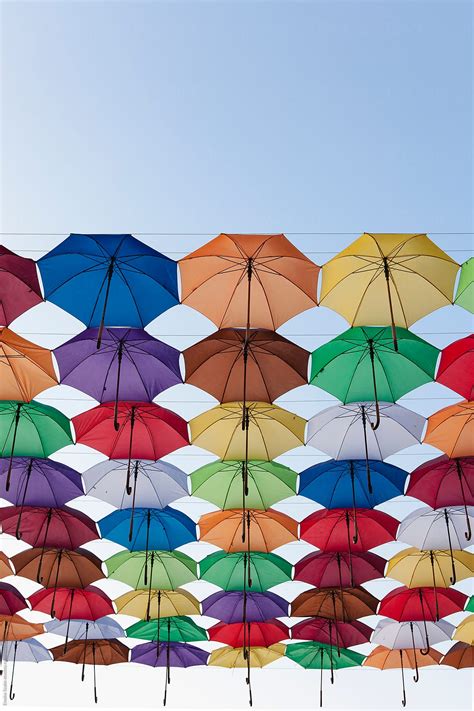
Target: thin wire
[204, 335]
[217, 232]
[204, 402]
[44, 251]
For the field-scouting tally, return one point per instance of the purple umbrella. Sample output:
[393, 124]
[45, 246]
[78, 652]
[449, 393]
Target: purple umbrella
[130, 365]
[39, 482]
[227, 606]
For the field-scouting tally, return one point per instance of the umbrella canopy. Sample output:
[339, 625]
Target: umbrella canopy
[228, 606]
[221, 483]
[39, 482]
[182, 629]
[383, 279]
[58, 568]
[11, 600]
[421, 603]
[403, 635]
[235, 658]
[470, 604]
[176, 654]
[172, 602]
[154, 529]
[332, 603]
[227, 570]
[344, 634]
[120, 280]
[465, 292]
[327, 569]
[460, 656]
[416, 568]
[267, 363]
[456, 367]
[444, 482]
[340, 529]
[5, 566]
[167, 570]
[102, 628]
[271, 431]
[256, 280]
[48, 527]
[452, 430]
[465, 630]
[27, 650]
[266, 530]
[253, 634]
[155, 484]
[15, 627]
[89, 603]
[19, 285]
[25, 368]
[343, 483]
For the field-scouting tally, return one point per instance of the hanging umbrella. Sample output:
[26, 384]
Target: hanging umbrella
[166, 570]
[233, 364]
[97, 652]
[332, 603]
[5, 566]
[226, 570]
[25, 368]
[421, 604]
[102, 628]
[388, 279]
[452, 430]
[109, 280]
[182, 629]
[343, 483]
[465, 630]
[470, 604]
[332, 632]
[11, 600]
[253, 634]
[429, 529]
[48, 527]
[221, 483]
[170, 602]
[456, 366]
[27, 650]
[412, 635]
[266, 530]
[39, 482]
[464, 292]
[328, 569]
[315, 655]
[228, 606]
[363, 364]
[460, 656]
[30, 429]
[15, 628]
[256, 280]
[445, 482]
[19, 285]
[383, 658]
[130, 365]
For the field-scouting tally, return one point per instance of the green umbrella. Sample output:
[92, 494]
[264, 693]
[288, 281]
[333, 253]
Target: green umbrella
[221, 483]
[167, 570]
[182, 629]
[470, 605]
[30, 429]
[465, 290]
[227, 570]
[316, 655]
[362, 364]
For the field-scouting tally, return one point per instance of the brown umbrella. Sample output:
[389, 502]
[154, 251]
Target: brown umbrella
[233, 365]
[5, 566]
[460, 656]
[346, 605]
[93, 651]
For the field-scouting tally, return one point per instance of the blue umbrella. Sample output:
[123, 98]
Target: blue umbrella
[109, 279]
[26, 650]
[103, 628]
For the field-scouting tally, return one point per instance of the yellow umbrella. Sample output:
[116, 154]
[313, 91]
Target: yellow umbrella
[271, 431]
[415, 568]
[157, 603]
[25, 368]
[465, 630]
[233, 657]
[383, 279]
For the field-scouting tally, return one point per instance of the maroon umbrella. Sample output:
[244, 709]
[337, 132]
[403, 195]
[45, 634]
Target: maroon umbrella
[327, 569]
[19, 286]
[11, 600]
[328, 631]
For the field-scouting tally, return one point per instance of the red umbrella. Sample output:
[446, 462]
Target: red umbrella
[19, 286]
[249, 634]
[327, 569]
[11, 600]
[320, 629]
[456, 367]
[445, 482]
[48, 527]
[146, 431]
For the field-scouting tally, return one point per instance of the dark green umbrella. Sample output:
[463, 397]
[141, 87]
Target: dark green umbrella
[227, 570]
[182, 629]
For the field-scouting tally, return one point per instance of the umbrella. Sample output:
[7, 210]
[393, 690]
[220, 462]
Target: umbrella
[102, 628]
[429, 529]
[342, 431]
[445, 482]
[452, 430]
[19, 285]
[109, 280]
[363, 364]
[392, 279]
[253, 634]
[343, 634]
[5, 566]
[48, 527]
[221, 483]
[27, 650]
[100, 652]
[383, 658]
[25, 368]
[266, 530]
[421, 604]
[11, 600]
[315, 655]
[334, 604]
[464, 292]
[163, 603]
[146, 431]
[470, 604]
[456, 366]
[406, 635]
[225, 570]
[228, 606]
[14, 627]
[460, 656]
[327, 569]
[182, 629]
[130, 365]
[258, 281]
[30, 429]
[232, 364]
[465, 630]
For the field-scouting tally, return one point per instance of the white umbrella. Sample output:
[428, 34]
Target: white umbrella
[103, 628]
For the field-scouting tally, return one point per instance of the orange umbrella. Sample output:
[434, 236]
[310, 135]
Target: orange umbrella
[14, 628]
[452, 430]
[266, 530]
[253, 281]
[25, 368]
[5, 566]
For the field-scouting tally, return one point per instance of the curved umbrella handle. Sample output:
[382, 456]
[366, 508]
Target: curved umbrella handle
[386, 270]
[11, 695]
[117, 388]
[468, 533]
[83, 673]
[404, 698]
[95, 679]
[417, 675]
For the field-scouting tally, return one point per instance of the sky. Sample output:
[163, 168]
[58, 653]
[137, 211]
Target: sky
[176, 121]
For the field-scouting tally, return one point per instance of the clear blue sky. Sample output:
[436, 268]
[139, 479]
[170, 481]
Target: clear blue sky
[201, 117]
